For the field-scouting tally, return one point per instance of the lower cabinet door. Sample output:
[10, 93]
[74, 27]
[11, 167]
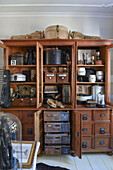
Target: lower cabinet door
[76, 133]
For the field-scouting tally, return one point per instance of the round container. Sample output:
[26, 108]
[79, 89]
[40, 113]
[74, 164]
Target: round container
[99, 75]
[81, 71]
[92, 78]
[53, 56]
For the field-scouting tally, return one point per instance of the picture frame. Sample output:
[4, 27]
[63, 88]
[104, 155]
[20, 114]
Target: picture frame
[28, 151]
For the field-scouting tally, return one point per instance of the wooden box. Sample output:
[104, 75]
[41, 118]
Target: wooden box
[57, 138]
[86, 142]
[102, 129]
[102, 142]
[87, 129]
[57, 149]
[57, 127]
[56, 115]
[50, 77]
[56, 31]
[62, 77]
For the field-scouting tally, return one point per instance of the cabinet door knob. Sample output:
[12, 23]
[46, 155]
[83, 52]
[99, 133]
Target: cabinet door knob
[102, 142]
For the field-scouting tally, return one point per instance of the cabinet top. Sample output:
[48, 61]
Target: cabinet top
[79, 42]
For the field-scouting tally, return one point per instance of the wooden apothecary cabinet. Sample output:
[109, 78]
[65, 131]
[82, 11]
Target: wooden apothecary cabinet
[91, 129]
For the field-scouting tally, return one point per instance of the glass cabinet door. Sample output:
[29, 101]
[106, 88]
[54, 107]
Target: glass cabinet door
[39, 75]
[109, 75]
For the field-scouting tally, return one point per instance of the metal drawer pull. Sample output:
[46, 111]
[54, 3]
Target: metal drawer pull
[49, 125]
[84, 117]
[29, 115]
[78, 134]
[29, 131]
[102, 115]
[102, 143]
[84, 145]
[57, 125]
[84, 129]
[102, 129]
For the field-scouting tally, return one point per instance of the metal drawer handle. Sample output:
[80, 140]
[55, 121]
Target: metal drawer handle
[57, 148]
[29, 115]
[102, 115]
[102, 129]
[84, 118]
[57, 137]
[57, 125]
[84, 129]
[84, 115]
[102, 143]
[49, 125]
[29, 131]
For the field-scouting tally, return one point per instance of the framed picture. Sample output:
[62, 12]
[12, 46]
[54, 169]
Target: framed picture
[28, 151]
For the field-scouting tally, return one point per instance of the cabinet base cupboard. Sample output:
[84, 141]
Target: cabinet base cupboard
[51, 101]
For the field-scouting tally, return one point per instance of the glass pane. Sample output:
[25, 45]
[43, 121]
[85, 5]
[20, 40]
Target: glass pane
[111, 76]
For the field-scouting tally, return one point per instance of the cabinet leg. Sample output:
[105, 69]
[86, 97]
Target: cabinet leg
[110, 153]
[72, 153]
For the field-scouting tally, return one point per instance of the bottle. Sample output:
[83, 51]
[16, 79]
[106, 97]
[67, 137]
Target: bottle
[30, 57]
[98, 55]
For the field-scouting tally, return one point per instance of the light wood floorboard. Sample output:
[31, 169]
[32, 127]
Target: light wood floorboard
[88, 161]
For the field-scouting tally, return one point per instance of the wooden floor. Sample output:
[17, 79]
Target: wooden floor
[88, 161]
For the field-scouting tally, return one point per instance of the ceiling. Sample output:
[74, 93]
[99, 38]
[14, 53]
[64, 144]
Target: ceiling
[72, 8]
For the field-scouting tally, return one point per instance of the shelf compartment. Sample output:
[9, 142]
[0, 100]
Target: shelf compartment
[67, 107]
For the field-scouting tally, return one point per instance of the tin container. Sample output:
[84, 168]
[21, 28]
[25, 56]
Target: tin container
[16, 59]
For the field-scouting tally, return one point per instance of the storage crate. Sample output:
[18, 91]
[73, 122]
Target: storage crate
[56, 115]
[57, 138]
[57, 127]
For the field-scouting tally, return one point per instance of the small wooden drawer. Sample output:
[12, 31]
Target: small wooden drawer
[50, 77]
[28, 138]
[28, 116]
[57, 149]
[102, 142]
[86, 115]
[62, 77]
[56, 116]
[57, 139]
[57, 127]
[102, 115]
[86, 143]
[102, 128]
[28, 129]
[87, 129]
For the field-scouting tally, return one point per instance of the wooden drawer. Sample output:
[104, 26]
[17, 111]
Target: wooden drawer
[62, 77]
[28, 116]
[102, 115]
[87, 129]
[57, 139]
[57, 149]
[50, 77]
[86, 143]
[56, 116]
[102, 142]
[57, 127]
[86, 115]
[28, 129]
[102, 129]
[28, 138]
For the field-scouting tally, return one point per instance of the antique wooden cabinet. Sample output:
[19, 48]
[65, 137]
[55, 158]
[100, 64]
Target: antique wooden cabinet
[91, 129]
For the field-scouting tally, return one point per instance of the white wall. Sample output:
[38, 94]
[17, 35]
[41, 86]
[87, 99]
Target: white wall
[102, 27]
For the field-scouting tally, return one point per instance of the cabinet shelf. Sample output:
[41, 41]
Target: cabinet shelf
[90, 83]
[59, 65]
[67, 107]
[21, 66]
[22, 83]
[57, 83]
[82, 65]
